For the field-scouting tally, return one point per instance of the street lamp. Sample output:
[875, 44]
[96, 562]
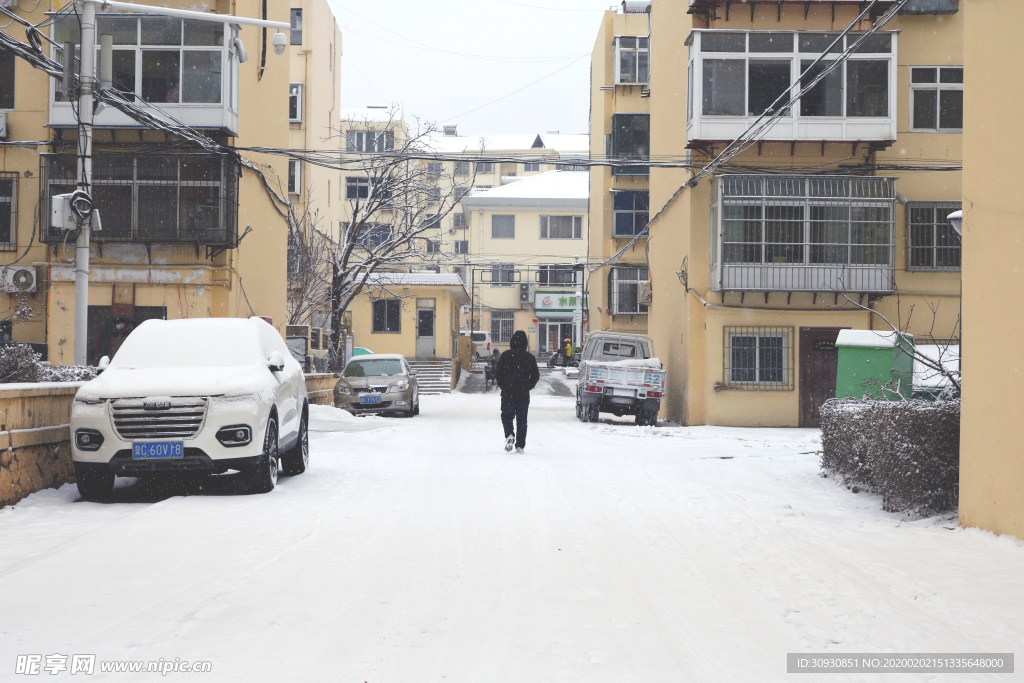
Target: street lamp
[82, 197]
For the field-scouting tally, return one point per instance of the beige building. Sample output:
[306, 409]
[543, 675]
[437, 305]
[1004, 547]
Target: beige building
[527, 246]
[836, 219]
[991, 432]
[186, 233]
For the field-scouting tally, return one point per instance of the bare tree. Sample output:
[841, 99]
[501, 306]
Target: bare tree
[399, 201]
[310, 251]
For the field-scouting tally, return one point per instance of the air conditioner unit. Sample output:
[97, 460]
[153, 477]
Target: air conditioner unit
[451, 231]
[18, 280]
[644, 293]
[525, 293]
[4, 132]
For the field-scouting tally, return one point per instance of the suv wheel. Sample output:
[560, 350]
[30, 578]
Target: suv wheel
[262, 478]
[95, 485]
[295, 461]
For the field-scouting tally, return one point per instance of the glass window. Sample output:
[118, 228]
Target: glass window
[830, 234]
[771, 42]
[294, 177]
[387, 317]
[769, 79]
[819, 42]
[7, 61]
[867, 87]
[937, 98]
[825, 98]
[201, 76]
[723, 42]
[503, 274]
[556, 275]
[503, 227]
[459, 220]
[161, 31]
[531, 168]
[461, 168]
[296, 38]
[484, 167]
[124, 30]
[725, 90]
[631, 213]
[634, 59]
[624, 290]
[741, 233]
[295, 102]
[8, 187]
[561, 227]
[879, 42]
[931, 241]
[357, 188]
[206, 33]
[758, 356]
[123, 71]
[461, 246]
[783, 234]
[160, 72]
[951, 109]
[382, 367]
[502, 326]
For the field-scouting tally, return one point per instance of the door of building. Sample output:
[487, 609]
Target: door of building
[425, 333]
[551, 332]
[108, 331]
[818, 363]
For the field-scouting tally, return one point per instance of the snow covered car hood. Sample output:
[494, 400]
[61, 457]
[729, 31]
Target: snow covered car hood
[177, 381]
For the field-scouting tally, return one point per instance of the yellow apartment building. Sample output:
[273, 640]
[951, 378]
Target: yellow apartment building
[186, 232]
[991, 432]
[527, 246]
[620, 107]
[835, 220]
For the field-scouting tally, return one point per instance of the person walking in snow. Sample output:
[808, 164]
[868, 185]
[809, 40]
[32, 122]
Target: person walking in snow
[517, 374]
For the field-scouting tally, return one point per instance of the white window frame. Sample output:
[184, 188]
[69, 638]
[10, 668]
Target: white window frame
[295, 95]
[294, 176]
[785, 383]
[366, 141]
[939, 88]
[461, 246]
[577, 227]
[495, 227]
[634, 77]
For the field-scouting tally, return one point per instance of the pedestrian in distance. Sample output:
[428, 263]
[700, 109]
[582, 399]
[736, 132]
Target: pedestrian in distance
[567, 351]
[517, 374]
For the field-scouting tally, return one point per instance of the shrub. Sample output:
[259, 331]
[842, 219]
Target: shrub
[20, 363]
[906, 451]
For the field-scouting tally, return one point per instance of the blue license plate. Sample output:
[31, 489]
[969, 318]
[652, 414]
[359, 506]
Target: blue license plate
[366, 400]
[157, 450]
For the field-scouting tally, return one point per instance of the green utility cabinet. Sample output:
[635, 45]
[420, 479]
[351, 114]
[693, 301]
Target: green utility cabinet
[874, 365]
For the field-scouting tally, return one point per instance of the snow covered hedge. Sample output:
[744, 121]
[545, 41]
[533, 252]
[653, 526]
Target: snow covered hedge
[19, 363]
[906, 451]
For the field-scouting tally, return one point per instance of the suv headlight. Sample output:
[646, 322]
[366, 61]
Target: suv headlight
[235, 435]
[400, 385]
[88, 439]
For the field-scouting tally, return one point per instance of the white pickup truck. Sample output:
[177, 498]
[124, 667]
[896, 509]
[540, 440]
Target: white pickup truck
[620, 375]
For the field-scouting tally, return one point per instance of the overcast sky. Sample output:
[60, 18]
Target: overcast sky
[448, 60]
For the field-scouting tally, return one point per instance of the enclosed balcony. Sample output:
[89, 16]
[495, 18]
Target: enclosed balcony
[818, 234]
[184, 68]
[734, 77]
[157, 198]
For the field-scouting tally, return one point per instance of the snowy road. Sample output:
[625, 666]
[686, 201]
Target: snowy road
[417, 550]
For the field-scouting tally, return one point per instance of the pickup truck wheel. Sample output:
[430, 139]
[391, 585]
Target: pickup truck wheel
[95, 485]
[593, 412]
[295, 461]
[579, 408]
[263, 477]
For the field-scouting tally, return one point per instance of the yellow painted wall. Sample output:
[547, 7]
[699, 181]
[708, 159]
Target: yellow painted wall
[991, 430]
[446, 321]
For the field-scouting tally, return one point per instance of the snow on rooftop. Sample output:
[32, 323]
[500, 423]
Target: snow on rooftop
[439, 279]
[552, 188]
[381, 114]
[869, 339]
[455, 144]
[946, 356]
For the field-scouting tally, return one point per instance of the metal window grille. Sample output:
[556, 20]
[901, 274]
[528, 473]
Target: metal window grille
[165, 198]
[931, 240]
[503, 275]
[624, 290]
[8, 210]
[804, 233]
[556, 275]
[503, 227]
[459, 220]
[759, 358]
[461, 168]
[502, 326]
[561, 227]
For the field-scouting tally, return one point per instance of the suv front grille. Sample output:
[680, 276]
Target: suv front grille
[182, 419]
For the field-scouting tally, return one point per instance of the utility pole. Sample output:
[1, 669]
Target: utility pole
[85, 114]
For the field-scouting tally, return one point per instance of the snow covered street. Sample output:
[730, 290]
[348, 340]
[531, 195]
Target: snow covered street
[418, 550]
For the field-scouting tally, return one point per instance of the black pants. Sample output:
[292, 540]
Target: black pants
[515, 407]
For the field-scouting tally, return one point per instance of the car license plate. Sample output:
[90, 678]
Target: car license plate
[157, 450]
[624, 392]
[368, 400]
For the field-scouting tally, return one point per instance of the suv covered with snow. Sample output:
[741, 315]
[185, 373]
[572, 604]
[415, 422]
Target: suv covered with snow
[198, 396]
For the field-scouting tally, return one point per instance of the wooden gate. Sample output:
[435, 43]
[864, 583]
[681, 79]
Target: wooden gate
[818, 363]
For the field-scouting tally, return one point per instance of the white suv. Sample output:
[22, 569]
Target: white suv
[198, 396]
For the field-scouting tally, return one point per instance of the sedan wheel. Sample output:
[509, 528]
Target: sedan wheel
[263, 477]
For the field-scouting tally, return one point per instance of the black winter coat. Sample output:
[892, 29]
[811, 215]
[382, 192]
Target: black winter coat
[517, 369]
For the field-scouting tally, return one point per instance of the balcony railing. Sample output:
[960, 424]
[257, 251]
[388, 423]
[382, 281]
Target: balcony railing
[734, 77]
[803, 234]
[160, 198]
[185, 68]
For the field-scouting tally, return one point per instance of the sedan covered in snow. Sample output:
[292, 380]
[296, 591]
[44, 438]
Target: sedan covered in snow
[378, 383]
[198, 396]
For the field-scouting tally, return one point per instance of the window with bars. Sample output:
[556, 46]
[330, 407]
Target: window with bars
[503, 227]
[630, 139]
[435, 168]
[502, 326]
[631, 211]
[459, 220]
[561, 227]
[433, 194]
[932, 243]
[164, 198]
[387, 316]
[503, 275]
[461, 168]
[624, 290]
[937, 98]
[558, 274]
[633, 54]
[8, 210]
[759, 358]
